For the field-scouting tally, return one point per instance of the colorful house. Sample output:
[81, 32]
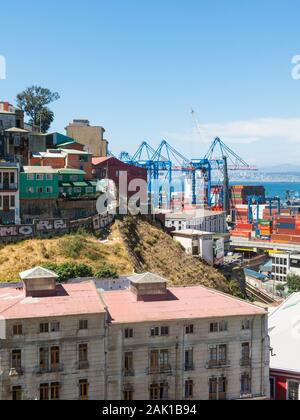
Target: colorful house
[72, 184]
[65, 158]
[9, 193]
[39, 182]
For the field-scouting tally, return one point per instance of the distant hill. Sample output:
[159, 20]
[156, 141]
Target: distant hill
[284, 168]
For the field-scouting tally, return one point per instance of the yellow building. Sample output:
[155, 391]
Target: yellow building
[91, 136]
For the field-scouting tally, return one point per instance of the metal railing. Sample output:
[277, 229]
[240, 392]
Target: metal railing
[217, 364]
[162, 369]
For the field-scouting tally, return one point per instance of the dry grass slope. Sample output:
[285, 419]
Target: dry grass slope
[85, 249]
[153, 250]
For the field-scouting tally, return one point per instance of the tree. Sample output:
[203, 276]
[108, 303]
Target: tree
[33, 101]
[293, 282]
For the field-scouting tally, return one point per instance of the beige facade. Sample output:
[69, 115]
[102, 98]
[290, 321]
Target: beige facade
[145, 342]
[90, 136]
[49, 359]
[186, 369]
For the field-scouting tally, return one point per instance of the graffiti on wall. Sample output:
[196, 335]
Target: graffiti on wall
[53, 226]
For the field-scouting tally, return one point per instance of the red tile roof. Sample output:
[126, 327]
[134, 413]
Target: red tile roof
[182, 303]
[71, 299]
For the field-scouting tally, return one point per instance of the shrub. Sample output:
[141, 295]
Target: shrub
[106, 271]
[67, 271]
[71, 246]
[293, 282]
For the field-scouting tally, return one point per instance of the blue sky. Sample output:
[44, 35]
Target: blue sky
[137, 68]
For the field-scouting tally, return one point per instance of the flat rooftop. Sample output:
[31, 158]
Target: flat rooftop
[70, 299]
[199, 213]
[191, 232]
[180, 303]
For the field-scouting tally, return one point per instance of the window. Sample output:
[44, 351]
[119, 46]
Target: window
[44, 327]
[156, 331]
[49, 190]
[222, 388]
[44, 358]
[245, 384]
[12, 201]
[128, 363]
[17, 141]
[16, 359]
[293, 391]
[159, 391]
[214, 327]
[128, 395]
[12, 178]
[189, 389]
[1, 204]
[164, 331]
[16, 393]
[83, 389]
[272, 388]
[83, 158]
[73, 178]
[189, 329]
[40, 190]
[30, 177]
[83, 324]
[217, 355]
[44, 392]
[159, 361]
[39, 177]
[245, 354]
[55, 326]
[221, 326]
[55, 358]
[246, 325]
[213, 389]
[89, 190]
[82, 355]
[49, 177]
[17, 329]
[189, 359]
[128, 333]
[30, 190]
[55, 391]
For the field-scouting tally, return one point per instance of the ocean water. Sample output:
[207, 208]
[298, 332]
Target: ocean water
[274, 189]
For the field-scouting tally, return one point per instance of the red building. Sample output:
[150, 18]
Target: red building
[284, 332]
[111, 168]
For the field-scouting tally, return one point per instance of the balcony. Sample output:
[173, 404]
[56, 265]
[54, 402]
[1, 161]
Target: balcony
[188, 367]
[128, 372]
[9, 187]
[217, 364]
[160, 370]
[42, 369]
[245, 361]
[83, 365]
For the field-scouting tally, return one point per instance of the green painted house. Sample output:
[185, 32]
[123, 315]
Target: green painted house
[39, 182]
[73, 185]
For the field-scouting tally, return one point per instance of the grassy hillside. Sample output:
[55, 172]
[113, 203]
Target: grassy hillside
[153, 250]
[78, 248]
[131, 245]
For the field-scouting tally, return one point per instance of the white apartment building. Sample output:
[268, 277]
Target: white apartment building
[284, 264]
[203, 220]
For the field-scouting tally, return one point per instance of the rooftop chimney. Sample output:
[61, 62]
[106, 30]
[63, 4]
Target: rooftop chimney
[39, 282]
[148, 284]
